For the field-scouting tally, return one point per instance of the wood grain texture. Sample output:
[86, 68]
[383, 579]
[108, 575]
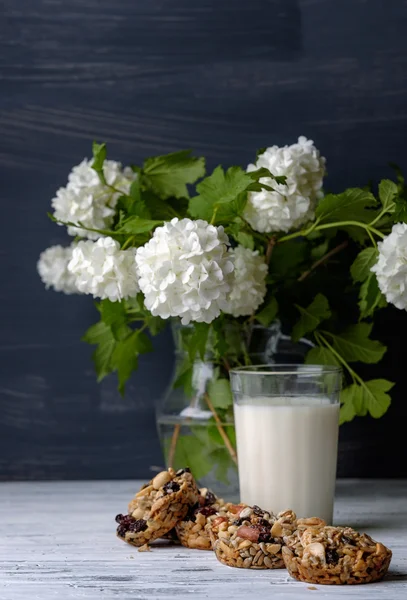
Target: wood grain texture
[57, 540]
[151, 76]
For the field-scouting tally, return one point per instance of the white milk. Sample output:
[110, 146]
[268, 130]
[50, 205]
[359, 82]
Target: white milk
[287, 451]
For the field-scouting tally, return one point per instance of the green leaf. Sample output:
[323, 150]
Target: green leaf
[155, 324]
[268, 313]
[112, 312]
[125, 359]
[99, 157]
[387, 192]
[321, 356]
[351, 205]
[311, 316]
[220, 189]
[97, 333]
[102, 358]
[245, 239]
[102, 335]
[191, 452]
[125, 355]
[369, 396]
[263, 173]
[354, 344]
[220, 393]
[134, 225]
[169, 175]
[360, 269]
[183, 377]
[221, 339]
[134, 204]
[376, 398]
[370, 297]
[198, 340]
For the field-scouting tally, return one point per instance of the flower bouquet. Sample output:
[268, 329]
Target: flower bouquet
[220, 253]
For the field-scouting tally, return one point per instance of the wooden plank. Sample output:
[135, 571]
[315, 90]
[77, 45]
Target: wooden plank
[57, 542]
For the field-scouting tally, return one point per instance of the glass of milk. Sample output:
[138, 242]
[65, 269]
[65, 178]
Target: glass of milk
[287, 424]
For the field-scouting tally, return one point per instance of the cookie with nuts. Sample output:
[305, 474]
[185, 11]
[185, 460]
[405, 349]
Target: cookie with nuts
[335, 555]
[158, 507]
[249, 537]
[191, 531]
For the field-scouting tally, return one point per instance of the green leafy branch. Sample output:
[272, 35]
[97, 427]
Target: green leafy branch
[352, 345]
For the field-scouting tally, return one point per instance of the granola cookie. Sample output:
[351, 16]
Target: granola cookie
[158, 507]
[191, 530]
[335, 555]
[249, 537]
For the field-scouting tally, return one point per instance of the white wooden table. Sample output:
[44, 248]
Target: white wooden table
[57, 540]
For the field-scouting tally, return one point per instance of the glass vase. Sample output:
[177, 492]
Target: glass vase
[196, 433]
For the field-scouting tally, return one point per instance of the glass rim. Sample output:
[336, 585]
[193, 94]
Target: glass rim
[287, 369]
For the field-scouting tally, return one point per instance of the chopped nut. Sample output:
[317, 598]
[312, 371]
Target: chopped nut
[248, 533]
[277, 530]
[245, 513]
[161, 479]
[315, 549]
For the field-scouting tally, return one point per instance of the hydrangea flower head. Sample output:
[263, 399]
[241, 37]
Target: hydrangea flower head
[391, 267]
[292, 204]
[85, 199]
[249, 284]
[185, 271]
[104, 270]
[52, 267]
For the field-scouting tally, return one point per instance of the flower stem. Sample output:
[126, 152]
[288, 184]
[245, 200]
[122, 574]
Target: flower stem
[173, 445]
[128, 242]
[270, 246]
[221, 430]
[316, 227]
[323, 260]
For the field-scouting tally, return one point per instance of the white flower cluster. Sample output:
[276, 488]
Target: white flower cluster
[391, 267]
[185, 271]
[86, 200]
[287, 206]
[249, 285]
[52, 267]
[104, 270]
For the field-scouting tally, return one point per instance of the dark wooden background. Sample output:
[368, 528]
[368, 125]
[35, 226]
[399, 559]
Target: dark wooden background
[223, 77]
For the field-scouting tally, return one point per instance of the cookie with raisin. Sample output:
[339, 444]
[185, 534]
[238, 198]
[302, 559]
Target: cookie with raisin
[250, 537]
[335, 555]
[191, 531]
[158, 507]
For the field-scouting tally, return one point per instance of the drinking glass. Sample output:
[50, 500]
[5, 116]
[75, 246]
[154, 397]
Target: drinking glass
[287, 424]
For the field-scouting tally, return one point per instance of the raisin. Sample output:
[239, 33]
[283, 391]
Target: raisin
[257, 510]
[138, 525]
[348, 540]
[192, 510]
[127, 523]
[171, 487]
[264, 533]
[332, 556]
[182, 471]
[264, 523]
[210, 499]
[239, 522]
[121, 531]
[207, 511]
